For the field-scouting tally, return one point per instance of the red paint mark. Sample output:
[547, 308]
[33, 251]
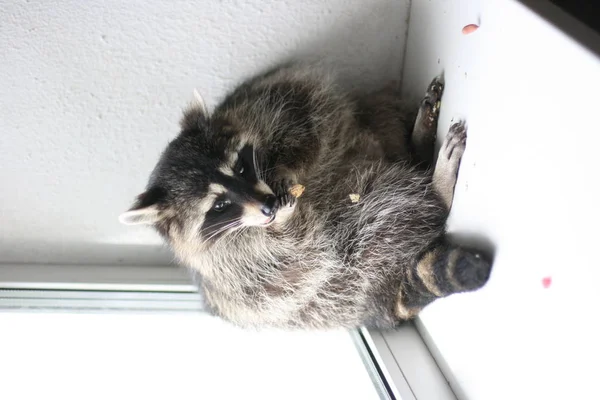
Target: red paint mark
[546, 282]
[469, 29]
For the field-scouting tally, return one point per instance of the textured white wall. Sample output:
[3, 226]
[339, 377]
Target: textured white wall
[92, 91]
[528, 182]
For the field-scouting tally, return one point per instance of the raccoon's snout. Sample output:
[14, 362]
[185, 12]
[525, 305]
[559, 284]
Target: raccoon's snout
[269, 206]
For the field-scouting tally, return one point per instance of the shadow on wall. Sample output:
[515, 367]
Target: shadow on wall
[367, 50]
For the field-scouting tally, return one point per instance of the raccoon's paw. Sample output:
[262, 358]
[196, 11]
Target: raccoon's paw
[282, 191]
[424, 132]
[287, 203]
[448, 162]
[431, 103]
[436, 87]
[455, 142]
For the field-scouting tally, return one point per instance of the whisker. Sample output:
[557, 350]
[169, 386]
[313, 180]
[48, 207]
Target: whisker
[233, 235]
[221, 230]
[269, 169]
[255, 162]
[227, 221]
[212, 236]
[259, 167]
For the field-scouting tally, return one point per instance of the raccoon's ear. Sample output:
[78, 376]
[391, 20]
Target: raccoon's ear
[145, 209]
[196, 116]
[199, 102]
[148, 216]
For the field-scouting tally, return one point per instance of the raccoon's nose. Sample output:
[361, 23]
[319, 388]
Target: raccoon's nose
[269, 206]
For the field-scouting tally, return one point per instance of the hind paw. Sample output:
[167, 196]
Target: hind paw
[433, 95]
[424, 131]
[446, 168]
[429, 110]
[455, 142]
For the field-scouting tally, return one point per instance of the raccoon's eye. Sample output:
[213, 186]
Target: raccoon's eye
[221, 205]
[239, 167]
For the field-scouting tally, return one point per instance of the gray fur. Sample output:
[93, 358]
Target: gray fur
[325, 261]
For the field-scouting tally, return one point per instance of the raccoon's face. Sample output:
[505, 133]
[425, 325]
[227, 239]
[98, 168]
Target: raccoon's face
[205, 186]
[237, 196]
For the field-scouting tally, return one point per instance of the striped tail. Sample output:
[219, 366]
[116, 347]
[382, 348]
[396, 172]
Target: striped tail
[443, 270]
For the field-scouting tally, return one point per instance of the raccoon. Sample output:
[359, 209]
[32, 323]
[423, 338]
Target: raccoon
[220, 197]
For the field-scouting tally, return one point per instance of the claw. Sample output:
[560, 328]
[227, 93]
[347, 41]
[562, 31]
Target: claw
[283, 194]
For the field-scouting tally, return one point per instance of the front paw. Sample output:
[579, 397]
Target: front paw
[282, 191]
[287, 201]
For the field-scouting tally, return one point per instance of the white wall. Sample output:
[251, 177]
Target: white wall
[92, 91]
[529, 184]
